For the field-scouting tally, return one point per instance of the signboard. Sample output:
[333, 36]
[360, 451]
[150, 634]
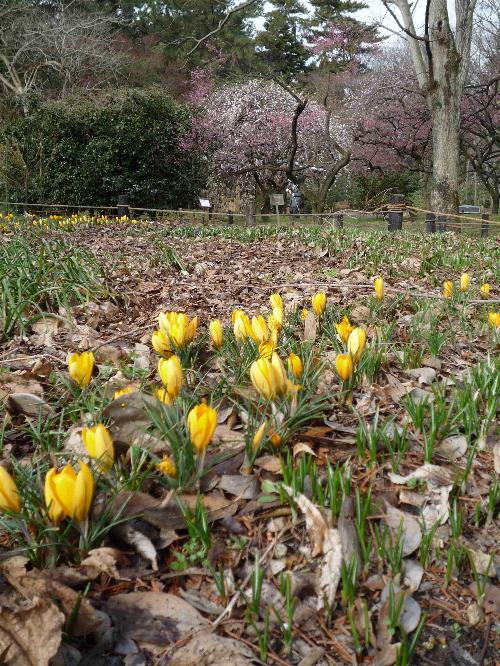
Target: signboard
[204, 203]
[468, 209]
[277, 200]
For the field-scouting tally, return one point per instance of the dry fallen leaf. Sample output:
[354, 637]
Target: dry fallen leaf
[326, 541]
[207, 649]
[153, 618]
[310, 327]
[30, 631]
[139, 542]
[411, 530]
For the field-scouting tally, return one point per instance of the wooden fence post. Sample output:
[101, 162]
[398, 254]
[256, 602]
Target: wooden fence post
[430, 223]
[230, 217]
[395, 217]
[251, 218]
[339, 221]
[485, 227]
[122, 208]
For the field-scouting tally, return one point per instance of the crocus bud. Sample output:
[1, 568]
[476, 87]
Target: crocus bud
[163, 395]
[464, 282]
[379, 288]
[276, 301]
[215, 330]
[280, 378]
[295, 366]
[356, 343]
[318, 302]
[170, 371]
[99, 445]
[277, 318]
[240, 329]
[258, 437]
[263, 378]
[201, 421]
[80, 367]
[260, 332]
[485, 290]
[447, 289]
[344, 365]
[9, 496]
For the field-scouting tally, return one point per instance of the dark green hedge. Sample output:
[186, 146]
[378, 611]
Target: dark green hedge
[88, 150]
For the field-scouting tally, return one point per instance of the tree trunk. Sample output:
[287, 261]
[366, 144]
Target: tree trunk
[445, 151]
[495, 201]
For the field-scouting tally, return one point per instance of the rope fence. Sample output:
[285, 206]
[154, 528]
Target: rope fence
[392, 213]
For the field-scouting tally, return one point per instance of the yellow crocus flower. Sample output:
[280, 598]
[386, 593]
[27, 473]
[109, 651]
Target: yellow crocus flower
[163, 395]
[303, 314]
[240, 330]
[161, 343]
[216, 334]
[295, 366]
[259, 436]
[263, 378]
[266, 349]
[494, 319]
[170, 371]
[260, 332]
[124, 391]
[276, 301]
[379, 288]
[344, 366]
[99, 445]
[191, 329]
[485, 290]
[464, 282]
[9, 495]
[80, 367]
[318, 302]
[356, 343]
[201, 422]
[68, 493]
[167, 467]
[447, 289]
[344, 329]
[277, 318]
[280, 377]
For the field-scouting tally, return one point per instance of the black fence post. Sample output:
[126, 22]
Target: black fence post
[395, 216]
[485, 227]
[339, 221]
[430, 223]
[442, 223]
[122, 209]
[230, 217]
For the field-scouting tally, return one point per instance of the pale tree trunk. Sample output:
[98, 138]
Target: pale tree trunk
[446, 153]
[441, 60]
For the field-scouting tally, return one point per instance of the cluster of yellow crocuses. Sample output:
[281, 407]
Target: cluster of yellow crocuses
[354, 338]
[449, 287]
[68, 494]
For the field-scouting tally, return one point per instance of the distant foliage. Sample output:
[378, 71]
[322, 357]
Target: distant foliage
[85, 150]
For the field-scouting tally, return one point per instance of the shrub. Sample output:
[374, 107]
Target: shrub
[87, 150]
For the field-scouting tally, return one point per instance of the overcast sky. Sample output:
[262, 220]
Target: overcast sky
[377, 13]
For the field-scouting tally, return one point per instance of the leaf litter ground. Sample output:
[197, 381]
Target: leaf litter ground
[150, 593]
